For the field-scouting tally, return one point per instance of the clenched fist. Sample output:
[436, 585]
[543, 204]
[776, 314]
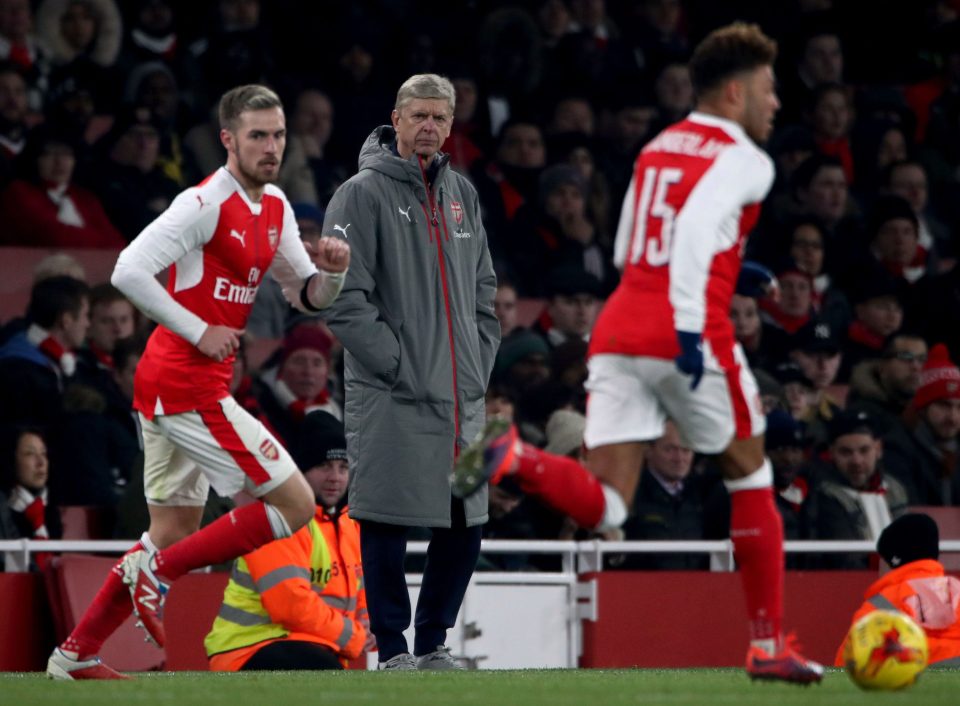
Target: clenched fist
[219, 342]
[329, 254]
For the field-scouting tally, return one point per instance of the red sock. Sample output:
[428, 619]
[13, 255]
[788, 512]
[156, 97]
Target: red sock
[110, 607]
[562, 484]
[757, 533]
[241, 530]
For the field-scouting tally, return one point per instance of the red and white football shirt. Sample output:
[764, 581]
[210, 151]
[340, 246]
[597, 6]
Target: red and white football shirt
[694, 196]
[218, 245]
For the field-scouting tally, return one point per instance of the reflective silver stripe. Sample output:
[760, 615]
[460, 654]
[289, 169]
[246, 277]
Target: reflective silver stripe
[339, 602]
[952, 663]
[242, 617]
[278, 576]
[242, 578]
[360, 584]
[344, 638]
[882, 603]
[362, 614]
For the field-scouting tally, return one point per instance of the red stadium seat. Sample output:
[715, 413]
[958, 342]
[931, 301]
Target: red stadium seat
[87, 522]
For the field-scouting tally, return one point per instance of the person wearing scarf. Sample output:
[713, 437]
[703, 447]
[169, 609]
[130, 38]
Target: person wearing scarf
[27, 498]
[855, 499]
[299, 384]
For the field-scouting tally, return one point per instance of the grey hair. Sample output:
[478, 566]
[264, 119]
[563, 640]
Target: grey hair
[243, 98]
[426, 86]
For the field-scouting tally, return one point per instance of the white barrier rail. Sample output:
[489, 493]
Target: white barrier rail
[576, 557]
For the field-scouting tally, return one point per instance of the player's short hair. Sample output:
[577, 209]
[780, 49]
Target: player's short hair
[105, 293]
[727, 51]
[54, 296]
[239, 100]
[428, 87]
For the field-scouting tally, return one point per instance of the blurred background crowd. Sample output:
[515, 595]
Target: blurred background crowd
[107, 111]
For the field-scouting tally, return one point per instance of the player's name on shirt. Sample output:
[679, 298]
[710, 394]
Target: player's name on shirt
[690, 144]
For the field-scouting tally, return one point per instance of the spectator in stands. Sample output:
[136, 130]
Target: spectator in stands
[112, 317]
[794, 307]
[153, 86]
[312, 125]
[658, 35]
[819, 60]
[787, 449]
[132, 185]
[816, 348]
[505, 307]
[668, 504]
[830, 120]
[46, 208]
[523, 361]
[25, 472]
[571, 114]
[80, 30]
[20, 46]
[908, 179]
[917, 586]
[854, 498]
[500, 400]
[151, 35]
[299, 603]
[798, 394]
[922, 453]
[13, 118]
[632, 124]
[470, 136]
[298, 385]
[572, 306]
[272, 314]
[894, 237]
[878, 313]
[821, 190]
[236, 50]
[578, 150]
[807, 246]
[35, 363]
[876, 145]
[748, 329]
[511, 179]
[883, 387]
[674, 92]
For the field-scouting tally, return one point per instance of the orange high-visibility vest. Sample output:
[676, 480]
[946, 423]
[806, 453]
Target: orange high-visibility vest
[299, 598]
[921, 590]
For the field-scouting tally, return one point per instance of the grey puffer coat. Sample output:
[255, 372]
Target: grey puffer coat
[416, 319]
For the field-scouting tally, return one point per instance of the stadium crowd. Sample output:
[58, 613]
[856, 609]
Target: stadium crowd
[105, 115]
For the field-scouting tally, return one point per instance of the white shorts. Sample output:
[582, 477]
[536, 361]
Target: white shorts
[631, 397]
[222, 446]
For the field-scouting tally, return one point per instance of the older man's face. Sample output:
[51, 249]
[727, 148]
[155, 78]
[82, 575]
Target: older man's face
[422, 126]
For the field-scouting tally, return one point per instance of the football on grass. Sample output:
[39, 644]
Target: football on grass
[885, 650]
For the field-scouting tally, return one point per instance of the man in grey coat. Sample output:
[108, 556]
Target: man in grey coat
[416, 319]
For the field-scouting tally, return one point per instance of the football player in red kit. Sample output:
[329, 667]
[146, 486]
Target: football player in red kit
[664, 344]
[218, 239]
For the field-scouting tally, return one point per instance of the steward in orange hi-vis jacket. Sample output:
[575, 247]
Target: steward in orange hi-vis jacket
[299, 603]
[917, 586]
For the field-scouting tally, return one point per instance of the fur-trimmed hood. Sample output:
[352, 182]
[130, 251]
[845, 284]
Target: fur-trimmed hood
[106, 42]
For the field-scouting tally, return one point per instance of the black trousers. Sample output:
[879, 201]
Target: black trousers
[451, 558]
[291, 655]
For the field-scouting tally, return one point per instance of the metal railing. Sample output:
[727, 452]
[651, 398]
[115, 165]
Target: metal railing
[576, 557]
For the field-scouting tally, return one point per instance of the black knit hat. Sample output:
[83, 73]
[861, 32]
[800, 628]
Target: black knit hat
[909, 538]
[321, 439]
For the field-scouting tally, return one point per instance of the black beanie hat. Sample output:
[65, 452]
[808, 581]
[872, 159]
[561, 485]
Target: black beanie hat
[909, 538]
[321, 439]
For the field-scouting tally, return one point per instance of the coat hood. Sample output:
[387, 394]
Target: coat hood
[377, 154]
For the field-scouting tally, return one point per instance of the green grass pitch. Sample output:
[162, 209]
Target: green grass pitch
[483, 688]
